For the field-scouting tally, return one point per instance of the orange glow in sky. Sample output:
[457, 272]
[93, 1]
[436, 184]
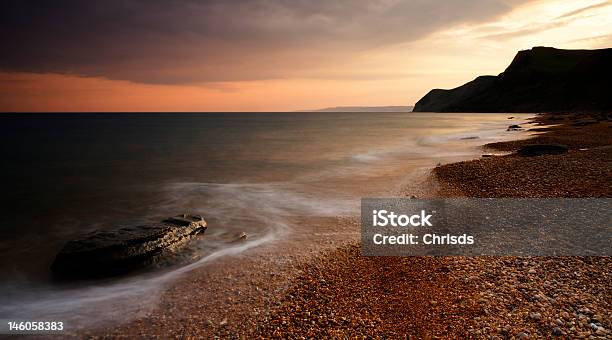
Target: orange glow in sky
[394, 73]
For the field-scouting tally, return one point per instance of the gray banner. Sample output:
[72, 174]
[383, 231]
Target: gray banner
[21, 326]
[490, 227]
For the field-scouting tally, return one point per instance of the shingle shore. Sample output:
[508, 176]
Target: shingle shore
[338, 293]
[347, 295]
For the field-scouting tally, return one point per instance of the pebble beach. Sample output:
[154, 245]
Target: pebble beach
[331, 291]
[348, 295]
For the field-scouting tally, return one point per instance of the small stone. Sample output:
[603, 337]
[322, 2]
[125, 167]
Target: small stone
[532, 271]
[522, 335]
[559, 322]
[535, 316]
[557, 331]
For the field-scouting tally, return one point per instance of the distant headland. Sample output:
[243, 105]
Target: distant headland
[542, 79]
[362, 109]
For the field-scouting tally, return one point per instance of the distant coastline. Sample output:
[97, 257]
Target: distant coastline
[362, 109]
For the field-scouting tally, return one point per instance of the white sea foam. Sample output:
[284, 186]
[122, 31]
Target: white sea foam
[263, 210]
[266, 206]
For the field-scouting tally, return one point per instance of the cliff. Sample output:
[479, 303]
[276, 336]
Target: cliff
[540, 79]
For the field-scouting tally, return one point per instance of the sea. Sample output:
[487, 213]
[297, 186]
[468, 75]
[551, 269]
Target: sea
[66, 175]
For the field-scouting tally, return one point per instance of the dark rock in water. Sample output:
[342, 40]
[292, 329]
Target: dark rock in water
[514, 127]
[584, 122]
[112, 252]
[470, 137]
[542, 149]
[511, 117]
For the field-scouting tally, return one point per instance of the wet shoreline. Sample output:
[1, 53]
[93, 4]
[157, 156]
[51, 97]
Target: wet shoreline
[234, 295]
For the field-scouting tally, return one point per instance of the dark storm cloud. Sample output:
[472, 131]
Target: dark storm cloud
[185, 41]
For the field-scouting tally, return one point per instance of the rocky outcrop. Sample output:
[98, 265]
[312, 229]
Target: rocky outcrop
[541, 79]
[111, 252]
[530, 150]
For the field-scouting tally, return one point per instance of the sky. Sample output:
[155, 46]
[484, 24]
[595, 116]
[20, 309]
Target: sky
[269, 55]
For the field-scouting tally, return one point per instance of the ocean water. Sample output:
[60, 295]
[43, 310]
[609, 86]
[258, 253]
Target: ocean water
[64, 175]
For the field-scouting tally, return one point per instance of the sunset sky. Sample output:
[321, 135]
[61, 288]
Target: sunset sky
[269, 55]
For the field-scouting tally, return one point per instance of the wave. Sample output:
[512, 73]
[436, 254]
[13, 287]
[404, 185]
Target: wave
[263, 211]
